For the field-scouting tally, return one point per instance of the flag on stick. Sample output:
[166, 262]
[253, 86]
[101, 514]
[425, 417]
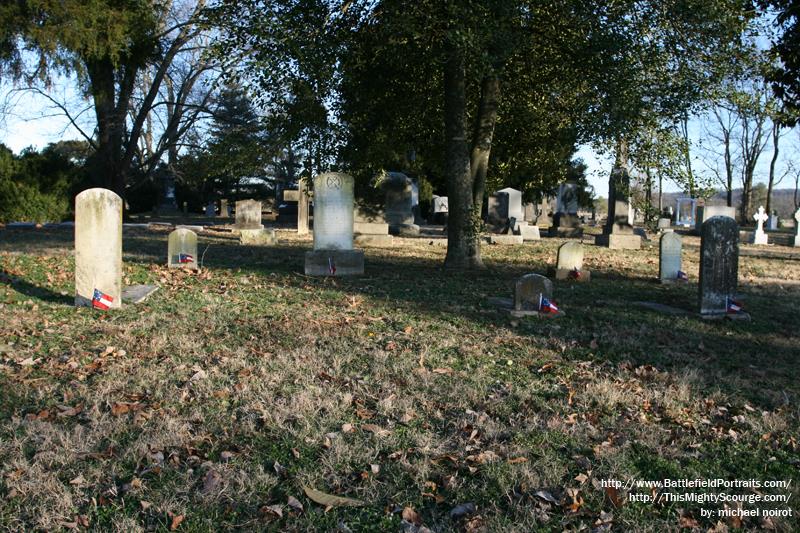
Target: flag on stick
[101, 300]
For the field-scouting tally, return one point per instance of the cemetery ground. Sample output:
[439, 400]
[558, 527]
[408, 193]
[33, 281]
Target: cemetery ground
[231, 394]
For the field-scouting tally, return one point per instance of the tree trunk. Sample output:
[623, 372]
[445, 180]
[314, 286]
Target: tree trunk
[482, 140]
[728, 168]
[776, 137]
[110, 126]
[463, 247]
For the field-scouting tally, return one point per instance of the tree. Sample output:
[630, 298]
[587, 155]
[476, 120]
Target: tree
[125, 56]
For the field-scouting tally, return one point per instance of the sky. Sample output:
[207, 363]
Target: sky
[33, 121]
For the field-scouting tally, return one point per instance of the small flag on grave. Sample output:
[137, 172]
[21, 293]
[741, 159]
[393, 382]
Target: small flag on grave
[734, 307]
[185, 258]
[331, 266]
[101, 300]
[575, 274]
[546, 306]
[682, 276]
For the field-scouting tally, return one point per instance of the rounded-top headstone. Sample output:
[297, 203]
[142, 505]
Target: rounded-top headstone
[333, 211]
[248, 214]
[98, 246]
[182, 249]
[719, 264]
[399, 198]
[570, 256]
[528, 291]
[669, 264]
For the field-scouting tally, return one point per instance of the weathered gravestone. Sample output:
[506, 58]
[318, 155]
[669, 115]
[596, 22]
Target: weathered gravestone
[532, 296]
[224, 210]
[248, 215]
[182, 249]
[257, 237]
[333, 253]
[569, 264]
[439, 209]
[759, 237]
[211, 209]
[566, 222]
[797, 227]
[669, 265]
[98, 247]
[510, 206]
[529, 233]
[618, 232]
[664, 224]
[719, 265]
[399, 210]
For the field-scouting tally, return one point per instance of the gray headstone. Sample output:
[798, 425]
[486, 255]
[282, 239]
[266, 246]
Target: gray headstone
[669, 264]
[570, 256]
[182, 249]
[333, 211]
[211, 209]
[440, 204]
[567, 200]
[719, 264]
[529, 290]
[399, 199]
[98, 246]
[664, 223]
[510, 204]
[248, 214]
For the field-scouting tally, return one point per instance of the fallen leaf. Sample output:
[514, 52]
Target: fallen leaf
[176, 522]
[212, 482]
[572, 500]
[410, 515]
[273, 510]
[377, 430]
[517, 460]
[614, 497]
[581, 478]
[545, 495]
[295, 504]
[329, 500]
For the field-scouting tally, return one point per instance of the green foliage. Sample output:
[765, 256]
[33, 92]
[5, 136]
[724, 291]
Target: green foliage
[37, 187]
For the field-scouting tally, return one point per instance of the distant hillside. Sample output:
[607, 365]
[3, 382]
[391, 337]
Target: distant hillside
[782, 200]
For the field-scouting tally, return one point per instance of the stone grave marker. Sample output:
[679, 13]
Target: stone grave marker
[510, 205]
[224, 211]
[759, 237]
[248, 214]
[98, 247]
[669, 265]
[257, 237]
[211, 209]
[797, 227]
[333, 253]
[182, 249]
[569, 264]
[399, 206]
[566, 222]
[719, 265]
[532, 296]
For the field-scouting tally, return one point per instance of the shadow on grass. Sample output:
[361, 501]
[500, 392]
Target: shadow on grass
[33, 291]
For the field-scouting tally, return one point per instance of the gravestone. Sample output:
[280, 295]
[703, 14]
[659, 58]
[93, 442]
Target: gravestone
[664, 224]
[98, 246]
[774, 221]
[569, 264]
[509, 205]
[182, 249]
[566, 222]
[333, 253]
[224, 211]
[704, 212]
[685, 209]
[529, 233]
[257, 237]
[759, 237]
[670, 247]
[719, 265]
[302, 208]
[248, 215]
[440, 209]
[797, 227]
[399, 199]
[532, 297]
[618, 232]
[211, 209]
[370, 227]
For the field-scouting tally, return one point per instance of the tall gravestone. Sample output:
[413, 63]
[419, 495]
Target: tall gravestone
[439, 208]
[182, 249]
[248, 214]
[224, 212]
[670, 247]
[719, 265]
[399, 199]
[98, 246]
[618, 232]
[797, 227]
[759, 236]
[333, 253]
[510, 205]
[566, 222]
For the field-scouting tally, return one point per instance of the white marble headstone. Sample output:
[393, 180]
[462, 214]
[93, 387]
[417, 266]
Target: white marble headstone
[182, 249]
[98, 246]
[669, 264]
[333, 211]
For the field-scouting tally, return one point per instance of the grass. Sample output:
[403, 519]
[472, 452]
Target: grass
[211, 405]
